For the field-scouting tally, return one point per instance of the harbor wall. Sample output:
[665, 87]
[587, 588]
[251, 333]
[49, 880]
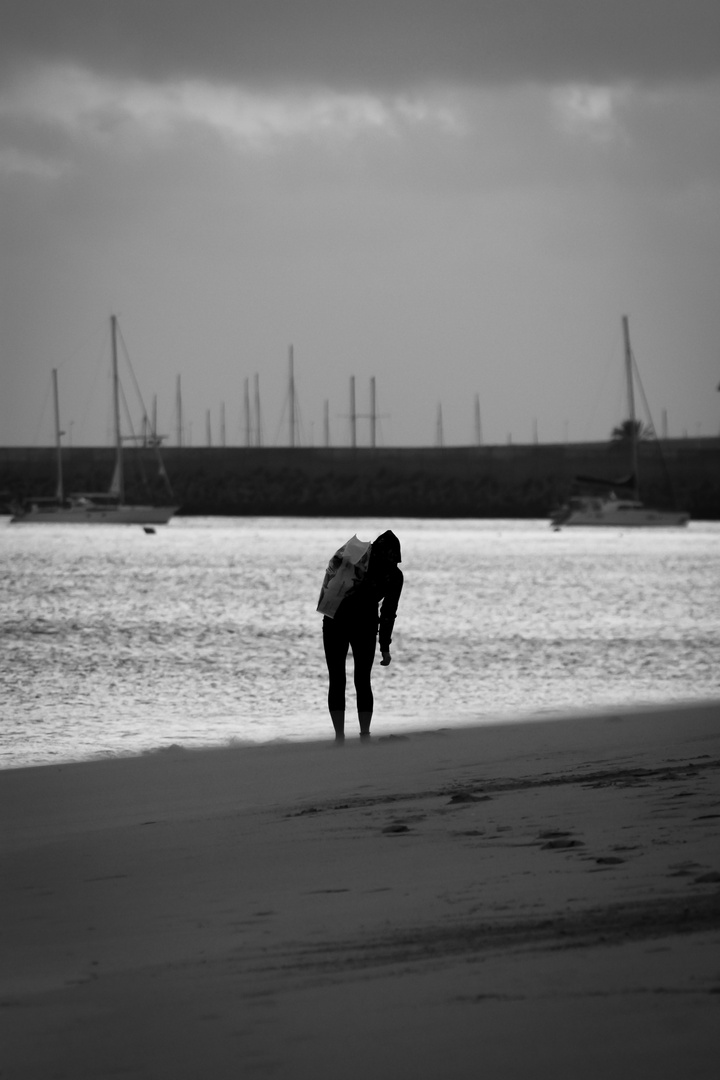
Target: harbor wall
[485, 481]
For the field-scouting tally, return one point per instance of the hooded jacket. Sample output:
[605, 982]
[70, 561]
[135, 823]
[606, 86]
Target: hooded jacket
[380, 588]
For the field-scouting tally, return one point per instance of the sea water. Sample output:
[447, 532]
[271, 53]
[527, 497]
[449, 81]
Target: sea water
[114, 641]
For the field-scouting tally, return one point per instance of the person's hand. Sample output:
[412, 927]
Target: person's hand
[386, 658]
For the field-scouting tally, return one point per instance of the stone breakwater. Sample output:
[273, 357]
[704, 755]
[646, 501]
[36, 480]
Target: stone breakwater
[487, 481]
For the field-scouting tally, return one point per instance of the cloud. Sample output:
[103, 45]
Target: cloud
[513, 83]
[588, 110]
[58, 120]
[387, 44]
[86, 107]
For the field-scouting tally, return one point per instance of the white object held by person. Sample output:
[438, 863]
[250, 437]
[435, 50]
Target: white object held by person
[345, 571]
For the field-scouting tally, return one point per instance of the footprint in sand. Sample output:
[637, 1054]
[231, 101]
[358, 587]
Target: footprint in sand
[708, 879]
[684, 869]
[557, 840]
[467, 797]
[562, 845]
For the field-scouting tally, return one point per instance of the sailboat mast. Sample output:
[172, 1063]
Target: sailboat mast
[353, 415]
[119, 479]
[248, 418]
[631, 404]
[178, 410]
[59, 492]
[258, 417]
[291, 394]
[439, 436]
[373, 412]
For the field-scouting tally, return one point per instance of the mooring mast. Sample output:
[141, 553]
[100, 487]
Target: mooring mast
[178, 410]
[293, 409]
[478, 422]
[353, 414]
[258, 421]
[248, 420]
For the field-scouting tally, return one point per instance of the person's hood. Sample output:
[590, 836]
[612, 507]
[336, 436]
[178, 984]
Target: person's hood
[388, 545]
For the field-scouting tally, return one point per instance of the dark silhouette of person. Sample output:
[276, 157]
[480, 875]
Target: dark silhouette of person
[367, 610]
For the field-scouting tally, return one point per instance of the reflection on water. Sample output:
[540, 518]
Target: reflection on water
[114, 641]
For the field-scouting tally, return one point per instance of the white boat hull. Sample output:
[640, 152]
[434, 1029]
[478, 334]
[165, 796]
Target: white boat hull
[96, 515]
[617, 513]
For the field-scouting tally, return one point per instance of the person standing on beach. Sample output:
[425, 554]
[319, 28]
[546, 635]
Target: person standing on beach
[368, 581]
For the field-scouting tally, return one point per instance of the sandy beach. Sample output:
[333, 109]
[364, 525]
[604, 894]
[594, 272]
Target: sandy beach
[535, 899]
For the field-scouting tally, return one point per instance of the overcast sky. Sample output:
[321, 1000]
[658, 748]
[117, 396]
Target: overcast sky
[457, 197]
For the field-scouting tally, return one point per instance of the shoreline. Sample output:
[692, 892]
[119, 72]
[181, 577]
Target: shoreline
[537, 897]
[380, 732]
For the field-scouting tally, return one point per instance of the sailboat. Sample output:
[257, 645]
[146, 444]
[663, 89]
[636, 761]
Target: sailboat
[619, 504]
[94, 508]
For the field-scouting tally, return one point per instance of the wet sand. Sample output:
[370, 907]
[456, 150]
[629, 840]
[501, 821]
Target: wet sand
[537, 899]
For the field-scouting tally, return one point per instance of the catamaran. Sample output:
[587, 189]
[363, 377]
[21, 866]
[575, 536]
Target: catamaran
[619, 503]
[94, 508]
